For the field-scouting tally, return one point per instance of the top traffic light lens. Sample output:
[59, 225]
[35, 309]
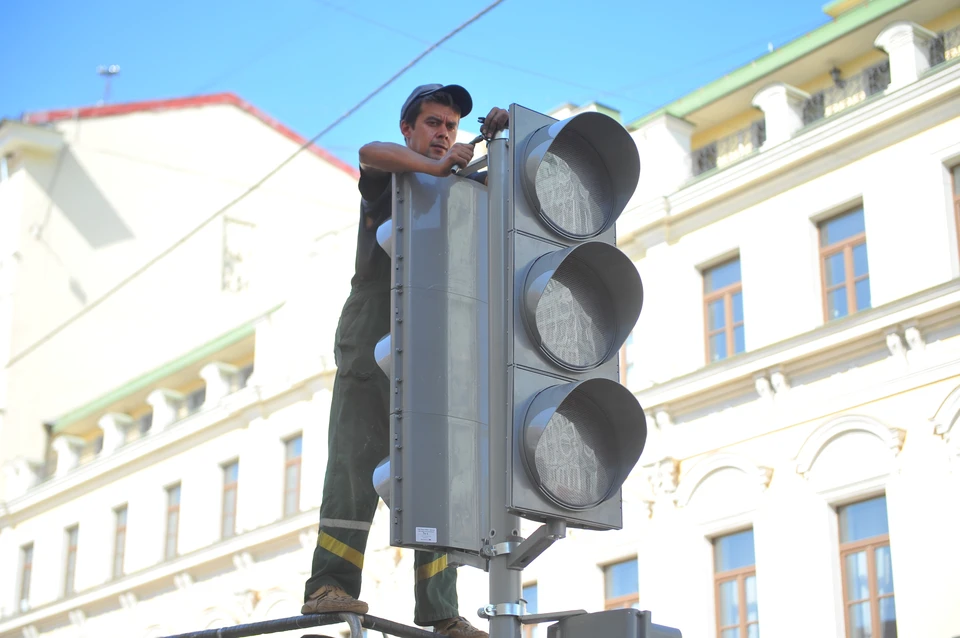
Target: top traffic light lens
[580, 173]
[574, 188]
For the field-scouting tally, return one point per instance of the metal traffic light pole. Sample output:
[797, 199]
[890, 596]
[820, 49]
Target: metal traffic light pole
[504, 610]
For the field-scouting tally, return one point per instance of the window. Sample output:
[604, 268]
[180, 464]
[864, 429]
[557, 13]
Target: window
[26, 573]
[145, 422]
[241, 378]
[735, 586]
[530, 595]
[70, 565]
[723, 309]
[843, 260]
[291, 475]
[192, 403]
[119, 539]
[628, 363]
[621, 585]
[173, 521]
[228, 518]
[866, 570]
[956, 199]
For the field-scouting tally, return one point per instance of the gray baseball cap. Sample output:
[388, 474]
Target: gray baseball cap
[459, 94]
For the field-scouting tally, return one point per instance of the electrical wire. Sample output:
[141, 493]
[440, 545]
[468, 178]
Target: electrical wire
[154, 260]
[474, 56]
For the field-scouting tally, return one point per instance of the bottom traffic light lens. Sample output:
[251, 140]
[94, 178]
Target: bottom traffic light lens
[581, 440]
[574, 459]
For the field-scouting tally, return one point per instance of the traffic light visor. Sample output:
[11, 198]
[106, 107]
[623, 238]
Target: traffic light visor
[580, 173]
[581, 440]
[580, 303]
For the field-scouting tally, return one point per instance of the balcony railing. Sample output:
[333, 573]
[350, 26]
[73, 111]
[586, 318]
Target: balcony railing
[851, 91]
[945, 47]
[729, 149]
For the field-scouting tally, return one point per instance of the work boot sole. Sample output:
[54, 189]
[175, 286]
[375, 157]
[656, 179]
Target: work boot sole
[334, 606]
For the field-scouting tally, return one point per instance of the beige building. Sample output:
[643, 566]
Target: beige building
[798, 358]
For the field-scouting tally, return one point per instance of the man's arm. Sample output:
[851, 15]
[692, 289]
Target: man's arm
[387, 157]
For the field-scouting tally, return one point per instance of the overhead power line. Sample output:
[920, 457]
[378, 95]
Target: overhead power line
[136, 273]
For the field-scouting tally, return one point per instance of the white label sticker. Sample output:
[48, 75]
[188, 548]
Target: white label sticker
[426, 534]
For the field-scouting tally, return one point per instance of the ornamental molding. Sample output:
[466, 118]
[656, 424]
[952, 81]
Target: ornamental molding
[821, 437]
[946, 417]
[714, 463]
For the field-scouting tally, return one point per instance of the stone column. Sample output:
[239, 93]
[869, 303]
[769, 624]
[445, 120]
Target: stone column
[782, 107]
[219, 378]
[908, 46]
[165, 404]
[68, 449]
[665, 157]
[20, 475]
[114, 426]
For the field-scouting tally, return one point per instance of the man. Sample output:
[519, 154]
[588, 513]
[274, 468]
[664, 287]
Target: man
[359, 431]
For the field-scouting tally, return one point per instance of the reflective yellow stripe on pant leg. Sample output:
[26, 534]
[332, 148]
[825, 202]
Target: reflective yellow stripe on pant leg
[340, 549]
[432, 568]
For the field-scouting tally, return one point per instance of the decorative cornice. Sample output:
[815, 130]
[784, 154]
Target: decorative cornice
[820, 343]
[812, 142]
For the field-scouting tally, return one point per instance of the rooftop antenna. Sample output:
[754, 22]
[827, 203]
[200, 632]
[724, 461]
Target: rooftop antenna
[107, 72]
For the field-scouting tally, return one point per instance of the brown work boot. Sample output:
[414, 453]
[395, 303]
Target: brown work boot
[458, 627]
[330, 599]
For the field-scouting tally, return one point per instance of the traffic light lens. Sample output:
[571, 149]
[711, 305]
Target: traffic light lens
[575, 462]
[575, 318]
[574, 187]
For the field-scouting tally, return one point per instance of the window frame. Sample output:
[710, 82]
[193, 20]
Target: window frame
[119, 540]
[172, 510]
[956, 201]
[850, 280]
[288, 462]
[726, 293]
[230, 491]
[740, 576]
[25, 575]
[627, 600]
[869, 546]
[72, 538]
[528, 630]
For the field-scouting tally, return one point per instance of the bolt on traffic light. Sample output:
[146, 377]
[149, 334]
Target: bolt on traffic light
[573, 299]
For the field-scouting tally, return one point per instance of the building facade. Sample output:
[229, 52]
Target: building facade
[798, 358]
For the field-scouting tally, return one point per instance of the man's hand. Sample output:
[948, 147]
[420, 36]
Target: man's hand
[458, 155]
[495, 121]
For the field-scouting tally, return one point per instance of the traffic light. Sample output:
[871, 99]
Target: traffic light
[622, 623]
[510, 302]
[435, 359]
[573, 299]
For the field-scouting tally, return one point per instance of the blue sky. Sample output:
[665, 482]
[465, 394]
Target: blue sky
[306, 62]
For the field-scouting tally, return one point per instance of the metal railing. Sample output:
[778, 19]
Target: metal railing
[944, 47]
[354, 621]
[851, 91]
[729, 149]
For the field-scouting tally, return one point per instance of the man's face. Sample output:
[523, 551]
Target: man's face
[435, 130]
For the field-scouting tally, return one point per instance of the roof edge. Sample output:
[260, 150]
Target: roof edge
[771, 62]
[139, 383]
[227, 98]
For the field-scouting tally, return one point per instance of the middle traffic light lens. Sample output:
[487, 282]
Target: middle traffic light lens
[574, 316]
[575, 462]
